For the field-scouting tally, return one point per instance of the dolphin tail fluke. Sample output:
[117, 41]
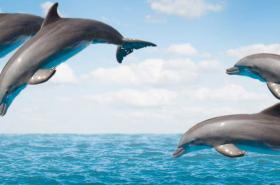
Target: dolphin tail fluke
[129, 45]
[3, 109]
[180, 151]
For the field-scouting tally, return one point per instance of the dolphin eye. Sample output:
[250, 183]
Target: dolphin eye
[192, 142]
[248, 68]
[253, 69]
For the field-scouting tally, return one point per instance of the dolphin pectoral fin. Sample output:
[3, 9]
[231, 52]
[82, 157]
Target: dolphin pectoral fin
[129, 45]
[229, 150]
[274, 89]
[3, 109]
[41, 76]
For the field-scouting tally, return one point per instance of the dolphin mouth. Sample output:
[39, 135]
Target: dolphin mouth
[180, 151]
[233, 71]
[3, 109]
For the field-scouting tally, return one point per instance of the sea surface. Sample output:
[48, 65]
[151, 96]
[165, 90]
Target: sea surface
[125, 159]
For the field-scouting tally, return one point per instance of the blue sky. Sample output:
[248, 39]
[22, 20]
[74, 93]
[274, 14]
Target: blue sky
[156, 90]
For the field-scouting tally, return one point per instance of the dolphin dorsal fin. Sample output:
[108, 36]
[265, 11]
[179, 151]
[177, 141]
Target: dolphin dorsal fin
[273, 110]
[52, 15]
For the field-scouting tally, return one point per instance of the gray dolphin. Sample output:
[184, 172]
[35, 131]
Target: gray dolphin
[58, 40]
[264, 67]
[222, 133]
[15, 28]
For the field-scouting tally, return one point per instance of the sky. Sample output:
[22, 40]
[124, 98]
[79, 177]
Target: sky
[166, 89]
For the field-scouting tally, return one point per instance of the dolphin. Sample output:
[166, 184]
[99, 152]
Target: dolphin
[259, 130]
[56, 41]
[15, 28]
[264, 67]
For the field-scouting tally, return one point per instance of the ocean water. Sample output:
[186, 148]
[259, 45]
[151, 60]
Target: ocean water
[125, 159]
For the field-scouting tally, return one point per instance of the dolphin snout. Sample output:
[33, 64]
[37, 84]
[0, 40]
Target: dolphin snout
[232, 71]
[180, 151]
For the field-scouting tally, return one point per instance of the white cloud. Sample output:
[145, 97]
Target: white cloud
[231, 92]
[253, 49]
[155, 72]
[64, 74]
[185, 8]
[46, 6]
[158, 97]
[137, 98]
[182, 49]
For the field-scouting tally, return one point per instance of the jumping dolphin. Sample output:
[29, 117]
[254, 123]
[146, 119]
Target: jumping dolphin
[58, 40]
[264, 67]
[222, 133]
[15, 28]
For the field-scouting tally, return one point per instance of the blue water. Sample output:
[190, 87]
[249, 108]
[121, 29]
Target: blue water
[124, 159]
